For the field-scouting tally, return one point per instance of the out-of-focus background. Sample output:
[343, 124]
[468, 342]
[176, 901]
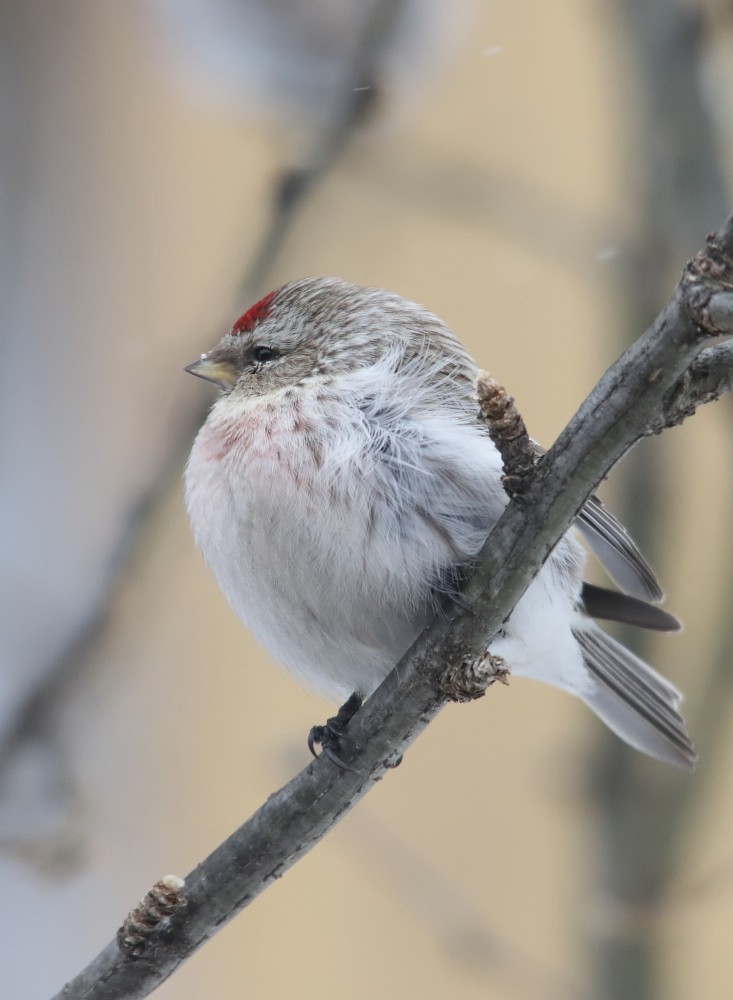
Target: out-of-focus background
[536, 174]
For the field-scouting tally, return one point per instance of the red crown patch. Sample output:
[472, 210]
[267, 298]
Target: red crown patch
[255, 314]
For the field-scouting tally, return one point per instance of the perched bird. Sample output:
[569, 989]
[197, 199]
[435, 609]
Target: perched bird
[341, 483]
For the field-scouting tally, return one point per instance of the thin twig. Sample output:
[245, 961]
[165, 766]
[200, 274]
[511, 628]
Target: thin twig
[709, 376]
[518, 452]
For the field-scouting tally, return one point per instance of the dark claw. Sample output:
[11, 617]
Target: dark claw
[315, 736]
[331, 736]
[335, 759]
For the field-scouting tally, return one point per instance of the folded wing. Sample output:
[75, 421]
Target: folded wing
[617, 551]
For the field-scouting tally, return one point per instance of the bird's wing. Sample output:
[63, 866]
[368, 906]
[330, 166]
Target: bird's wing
[617, 551]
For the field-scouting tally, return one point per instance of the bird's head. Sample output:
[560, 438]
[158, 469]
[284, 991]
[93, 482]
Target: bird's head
[313, 330]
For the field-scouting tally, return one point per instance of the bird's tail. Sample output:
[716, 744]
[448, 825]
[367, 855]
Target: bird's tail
[633, 700]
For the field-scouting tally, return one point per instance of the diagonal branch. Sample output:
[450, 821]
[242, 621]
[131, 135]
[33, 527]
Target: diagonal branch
[660, 378]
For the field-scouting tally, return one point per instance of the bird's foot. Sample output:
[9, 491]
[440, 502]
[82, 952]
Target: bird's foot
[331, 735]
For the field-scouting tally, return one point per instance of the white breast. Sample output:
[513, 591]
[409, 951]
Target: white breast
[329, 536]
[328, 516]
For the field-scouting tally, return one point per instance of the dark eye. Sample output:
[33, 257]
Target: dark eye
[263, 353]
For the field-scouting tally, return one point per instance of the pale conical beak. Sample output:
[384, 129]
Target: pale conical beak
[222, 373]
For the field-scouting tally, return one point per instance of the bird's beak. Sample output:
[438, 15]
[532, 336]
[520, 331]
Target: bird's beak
[222, 372]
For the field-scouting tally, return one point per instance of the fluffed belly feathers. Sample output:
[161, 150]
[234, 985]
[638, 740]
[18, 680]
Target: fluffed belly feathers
[332, 552]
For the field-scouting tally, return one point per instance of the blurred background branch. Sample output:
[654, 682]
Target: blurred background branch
[677, 189]
[358, 97]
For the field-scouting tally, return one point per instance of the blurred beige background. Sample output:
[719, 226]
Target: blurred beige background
[498, 182]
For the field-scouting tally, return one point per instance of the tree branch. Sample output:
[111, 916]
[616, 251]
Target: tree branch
[709, 376]
[650, 385]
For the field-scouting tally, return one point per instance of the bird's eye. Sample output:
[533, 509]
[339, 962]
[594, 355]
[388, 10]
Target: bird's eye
[263, 353]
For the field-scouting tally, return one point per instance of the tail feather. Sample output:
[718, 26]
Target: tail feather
[612, 606]
[633, 700]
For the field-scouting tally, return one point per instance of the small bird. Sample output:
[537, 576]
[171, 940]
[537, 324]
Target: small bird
[343, 482]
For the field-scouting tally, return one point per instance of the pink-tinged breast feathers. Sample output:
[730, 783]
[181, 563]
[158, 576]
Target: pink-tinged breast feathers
[265, 435]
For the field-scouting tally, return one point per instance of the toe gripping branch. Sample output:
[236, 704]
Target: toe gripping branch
[331, 736]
